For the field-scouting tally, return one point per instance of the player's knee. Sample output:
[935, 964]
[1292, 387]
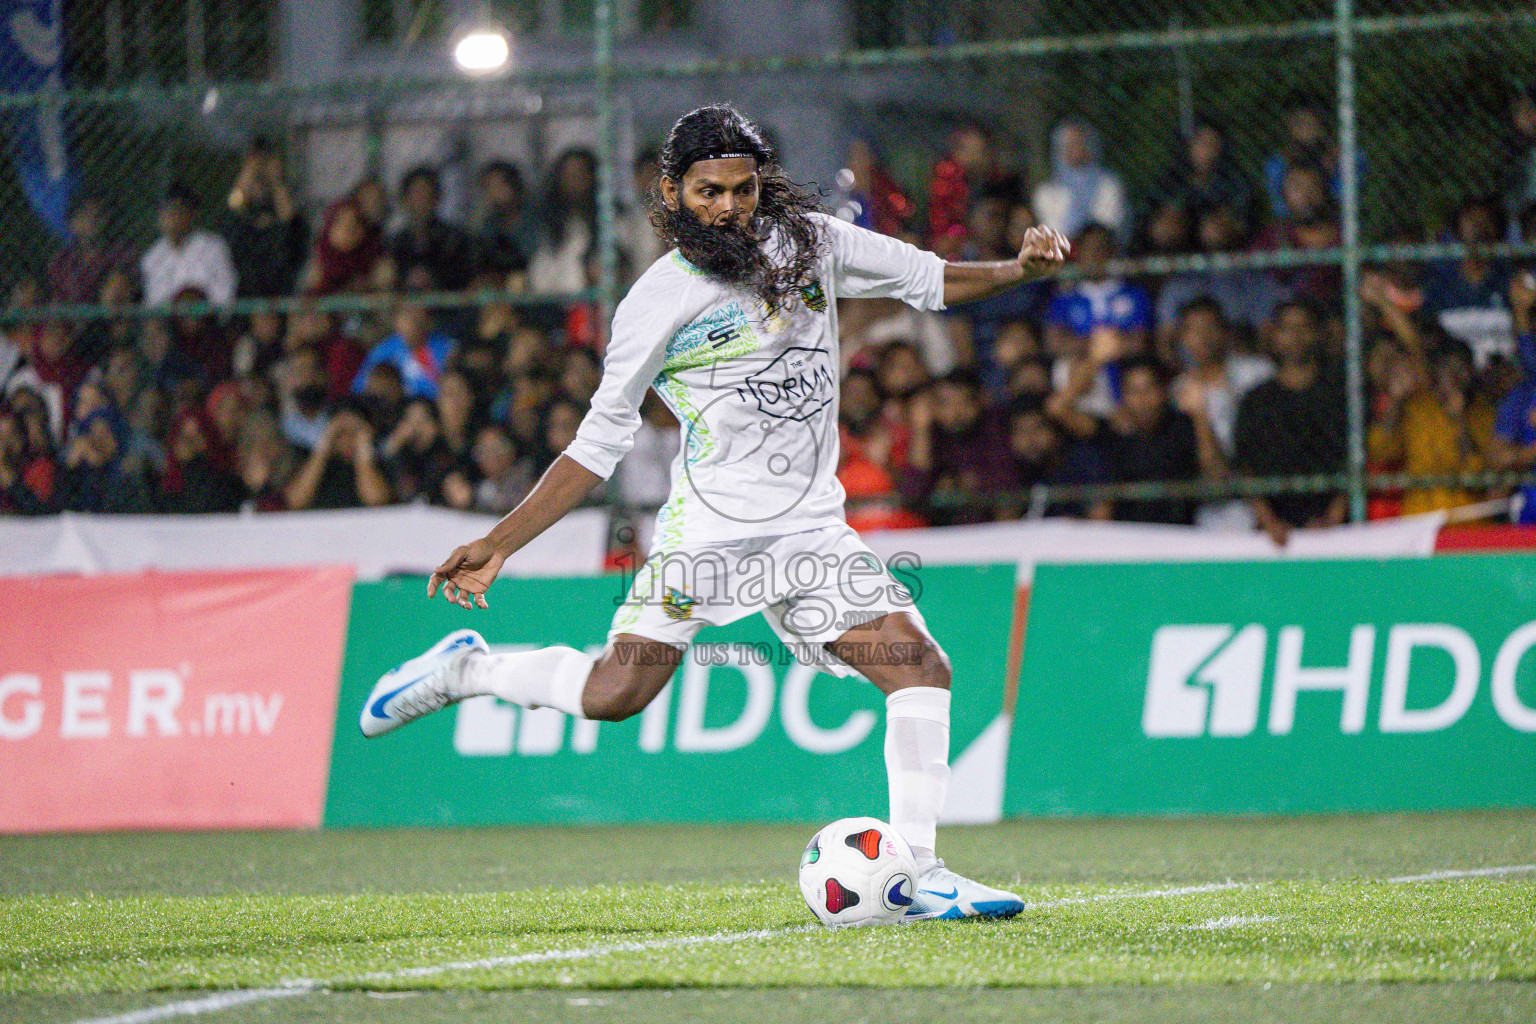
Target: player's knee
[935, 666]
[611, 705]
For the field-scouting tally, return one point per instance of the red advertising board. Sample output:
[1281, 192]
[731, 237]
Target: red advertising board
[169, 700]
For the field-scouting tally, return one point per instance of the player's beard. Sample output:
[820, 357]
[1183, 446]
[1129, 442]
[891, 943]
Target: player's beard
[738, 253]
[730, 252]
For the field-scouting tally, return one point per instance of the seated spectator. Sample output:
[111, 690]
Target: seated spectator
[1520, 155]
[122, 376]
[415, 454]
[302, 398]
[568, 239]
[226, 406]
[1081, 190]
[343, 470]
[1467, 296]
[348, 254]
[867, 195]
[520, 407]
[28, 472]
[383, 398]
[260, 345]
[508, 230]
[1522, 298]
[266, 231]
[199, 475]
[99, 336]
[429, 253]
[165, 366]
[264, 462]
[200, 337]
[185, 256]
[1514, 431]
[341, 355]
[557, 428]
[1169, 229]
[93, 458]
[1030, 379]
[636, 235]
[372, 201]
[1311, 223]
[974, 326]
[1043, 454]
[1438, 429]
[458, 412]
[1090, 325]
[1147, 439]
[504, 477]
[1016, 342]
[969, 166]
[1308, 143]
[1214, 380]
[1206, 175]
[958, 453]
[580, 372]
[53, 358]
[942, 341]
[1214, 376]
[872, 455]
[417, 349]
[1246, 297]
[1293, 424]
[903, 375]
[76, 274]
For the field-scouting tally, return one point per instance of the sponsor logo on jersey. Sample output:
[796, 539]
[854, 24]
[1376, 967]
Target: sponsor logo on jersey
[814, 295]
[797, 385]
[677, 604]
[723, 334]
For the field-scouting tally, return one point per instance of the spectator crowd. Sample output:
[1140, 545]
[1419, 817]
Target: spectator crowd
[952, 417]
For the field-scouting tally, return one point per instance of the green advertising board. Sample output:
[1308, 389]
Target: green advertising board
[739, 741]
[1271, 687]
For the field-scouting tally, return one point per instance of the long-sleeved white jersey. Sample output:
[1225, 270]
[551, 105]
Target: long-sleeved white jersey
[756, 395]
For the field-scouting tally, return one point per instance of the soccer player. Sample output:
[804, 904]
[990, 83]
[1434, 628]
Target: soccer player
[736, 329]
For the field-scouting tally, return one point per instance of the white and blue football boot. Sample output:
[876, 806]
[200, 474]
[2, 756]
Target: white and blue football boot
[942, 895]
[419, 686]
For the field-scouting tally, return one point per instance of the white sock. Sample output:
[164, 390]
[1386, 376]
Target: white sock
[917, 764]
[550, 677]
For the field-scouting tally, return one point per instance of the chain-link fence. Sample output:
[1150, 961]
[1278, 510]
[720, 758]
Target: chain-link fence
[1252, 153]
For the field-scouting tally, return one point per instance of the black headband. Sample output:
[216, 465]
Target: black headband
[720, 156]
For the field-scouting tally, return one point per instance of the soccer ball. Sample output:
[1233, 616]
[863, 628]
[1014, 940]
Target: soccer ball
[858, 871]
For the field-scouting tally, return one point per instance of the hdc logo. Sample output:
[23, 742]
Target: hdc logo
[1208, 680]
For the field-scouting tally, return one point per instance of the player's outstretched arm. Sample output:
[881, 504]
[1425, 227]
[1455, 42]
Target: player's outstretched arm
[1043, 253]
[467, 574]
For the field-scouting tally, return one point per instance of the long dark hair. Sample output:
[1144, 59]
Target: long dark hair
[726, 252]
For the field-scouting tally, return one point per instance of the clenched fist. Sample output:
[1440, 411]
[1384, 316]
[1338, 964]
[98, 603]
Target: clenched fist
[1043, 252]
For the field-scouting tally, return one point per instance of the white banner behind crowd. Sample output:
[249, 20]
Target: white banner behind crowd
[377, 542]
[414, 539]
[1030, 542]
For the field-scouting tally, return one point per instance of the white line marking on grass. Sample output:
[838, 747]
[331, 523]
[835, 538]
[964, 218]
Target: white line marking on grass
[1440, 876]
[306, 986]
[545, 956]
[1217, 924]
[1188, 890]
[207, 1004]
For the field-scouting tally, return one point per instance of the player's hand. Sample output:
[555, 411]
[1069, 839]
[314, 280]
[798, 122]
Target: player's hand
[467, 574]
[1043, 252]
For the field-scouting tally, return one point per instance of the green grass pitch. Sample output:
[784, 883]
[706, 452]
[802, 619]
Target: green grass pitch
[1200, 920]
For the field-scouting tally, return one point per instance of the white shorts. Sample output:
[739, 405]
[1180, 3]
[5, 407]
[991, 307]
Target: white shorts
[811, 586]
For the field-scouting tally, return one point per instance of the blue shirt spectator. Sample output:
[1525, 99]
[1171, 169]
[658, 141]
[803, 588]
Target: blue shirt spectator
[1515, 425]
[1087, 305]
[418, 350]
